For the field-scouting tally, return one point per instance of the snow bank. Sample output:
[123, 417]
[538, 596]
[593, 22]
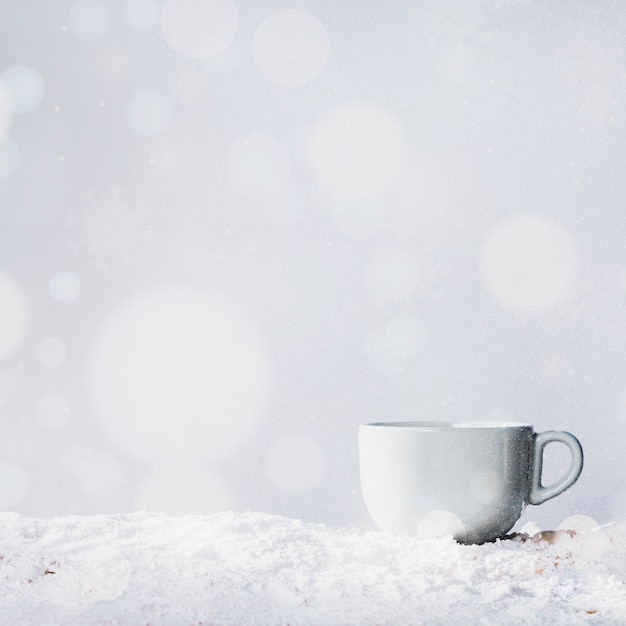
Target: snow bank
[261, 569]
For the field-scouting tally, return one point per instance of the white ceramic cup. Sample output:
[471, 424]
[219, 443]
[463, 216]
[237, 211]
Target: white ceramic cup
[469, 480]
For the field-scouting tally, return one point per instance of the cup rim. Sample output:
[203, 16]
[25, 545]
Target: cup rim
[440, 426]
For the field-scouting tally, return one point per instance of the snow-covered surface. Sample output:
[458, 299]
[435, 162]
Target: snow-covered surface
[255, 568]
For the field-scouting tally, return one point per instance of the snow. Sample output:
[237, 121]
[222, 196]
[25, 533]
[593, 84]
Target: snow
[255, 568]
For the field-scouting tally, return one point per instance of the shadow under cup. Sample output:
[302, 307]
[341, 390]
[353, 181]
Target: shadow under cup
[469, 480]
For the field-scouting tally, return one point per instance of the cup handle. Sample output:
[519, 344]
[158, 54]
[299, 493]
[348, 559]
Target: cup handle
[539, 493]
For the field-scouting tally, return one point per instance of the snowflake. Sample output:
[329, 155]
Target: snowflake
[109, 229]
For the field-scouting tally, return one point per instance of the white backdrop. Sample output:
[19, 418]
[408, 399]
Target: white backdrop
[231, 231]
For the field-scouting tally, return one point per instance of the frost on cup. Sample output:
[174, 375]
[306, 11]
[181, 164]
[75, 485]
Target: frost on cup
[469, 480]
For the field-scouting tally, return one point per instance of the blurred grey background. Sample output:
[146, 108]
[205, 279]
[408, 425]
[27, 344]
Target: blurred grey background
[231, 231]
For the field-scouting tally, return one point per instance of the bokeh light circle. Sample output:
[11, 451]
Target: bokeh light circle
[438, 524]
[89, 20]
[141, 14]
[529, 262]
[51, 352]
[15, 315]
[24, 87]
[52, 411]
[579, 523]
[258, 165]
[149, 112]
[295, 463]
[199, 29]
[64, 286]
[9, 157]
[291, 48]
[179, 372]
[358, 150]
[14, 485]
[591, 539]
